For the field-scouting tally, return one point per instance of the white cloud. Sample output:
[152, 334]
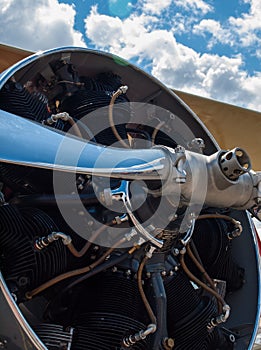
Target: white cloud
[252, 85]
[213, 76]
[38, 25]
[248, 26]
[185, 14]
[155, 6]
[258, 52]
[127, 36]
[194, 5]
[243, 31]
[176, 65]
[103, 30]
[214, 28]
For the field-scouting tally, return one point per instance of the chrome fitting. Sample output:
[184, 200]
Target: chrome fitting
[221, 318]
[127, 342]
[123, 89]
[130, 234]
[54, 117]
[150, 252]
[44, 242]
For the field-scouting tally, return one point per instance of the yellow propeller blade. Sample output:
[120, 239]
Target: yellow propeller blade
[9, 55]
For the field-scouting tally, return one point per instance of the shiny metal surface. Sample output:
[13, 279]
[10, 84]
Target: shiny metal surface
[255, 342]
[26, 143]
[36, 342]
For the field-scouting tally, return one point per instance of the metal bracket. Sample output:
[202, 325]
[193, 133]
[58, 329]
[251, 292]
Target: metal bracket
[122, 194]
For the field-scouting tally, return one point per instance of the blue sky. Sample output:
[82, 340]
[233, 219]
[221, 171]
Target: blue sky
[210, 48]
[222, 10]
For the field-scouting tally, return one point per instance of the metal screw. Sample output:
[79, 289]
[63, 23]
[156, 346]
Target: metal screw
[180, 180]
[2, 198]
[176, 251]
[179, 149]
[163, 273]
[172, 217]
[168, 343]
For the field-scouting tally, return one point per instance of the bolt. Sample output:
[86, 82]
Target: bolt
[172, 217]
[180, 180]
[232, 338]
[168, 343]
[163, 273]
[2, 198]
[183, 251]
[22, 281]
[176, 251]
[180, 149]
[114, 269]
[148, 274]
[14, 297]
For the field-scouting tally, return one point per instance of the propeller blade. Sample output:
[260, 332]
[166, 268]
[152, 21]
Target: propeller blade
[24, 142]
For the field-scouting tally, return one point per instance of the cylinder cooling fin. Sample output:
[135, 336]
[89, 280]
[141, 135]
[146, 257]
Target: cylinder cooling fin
[110, 261]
